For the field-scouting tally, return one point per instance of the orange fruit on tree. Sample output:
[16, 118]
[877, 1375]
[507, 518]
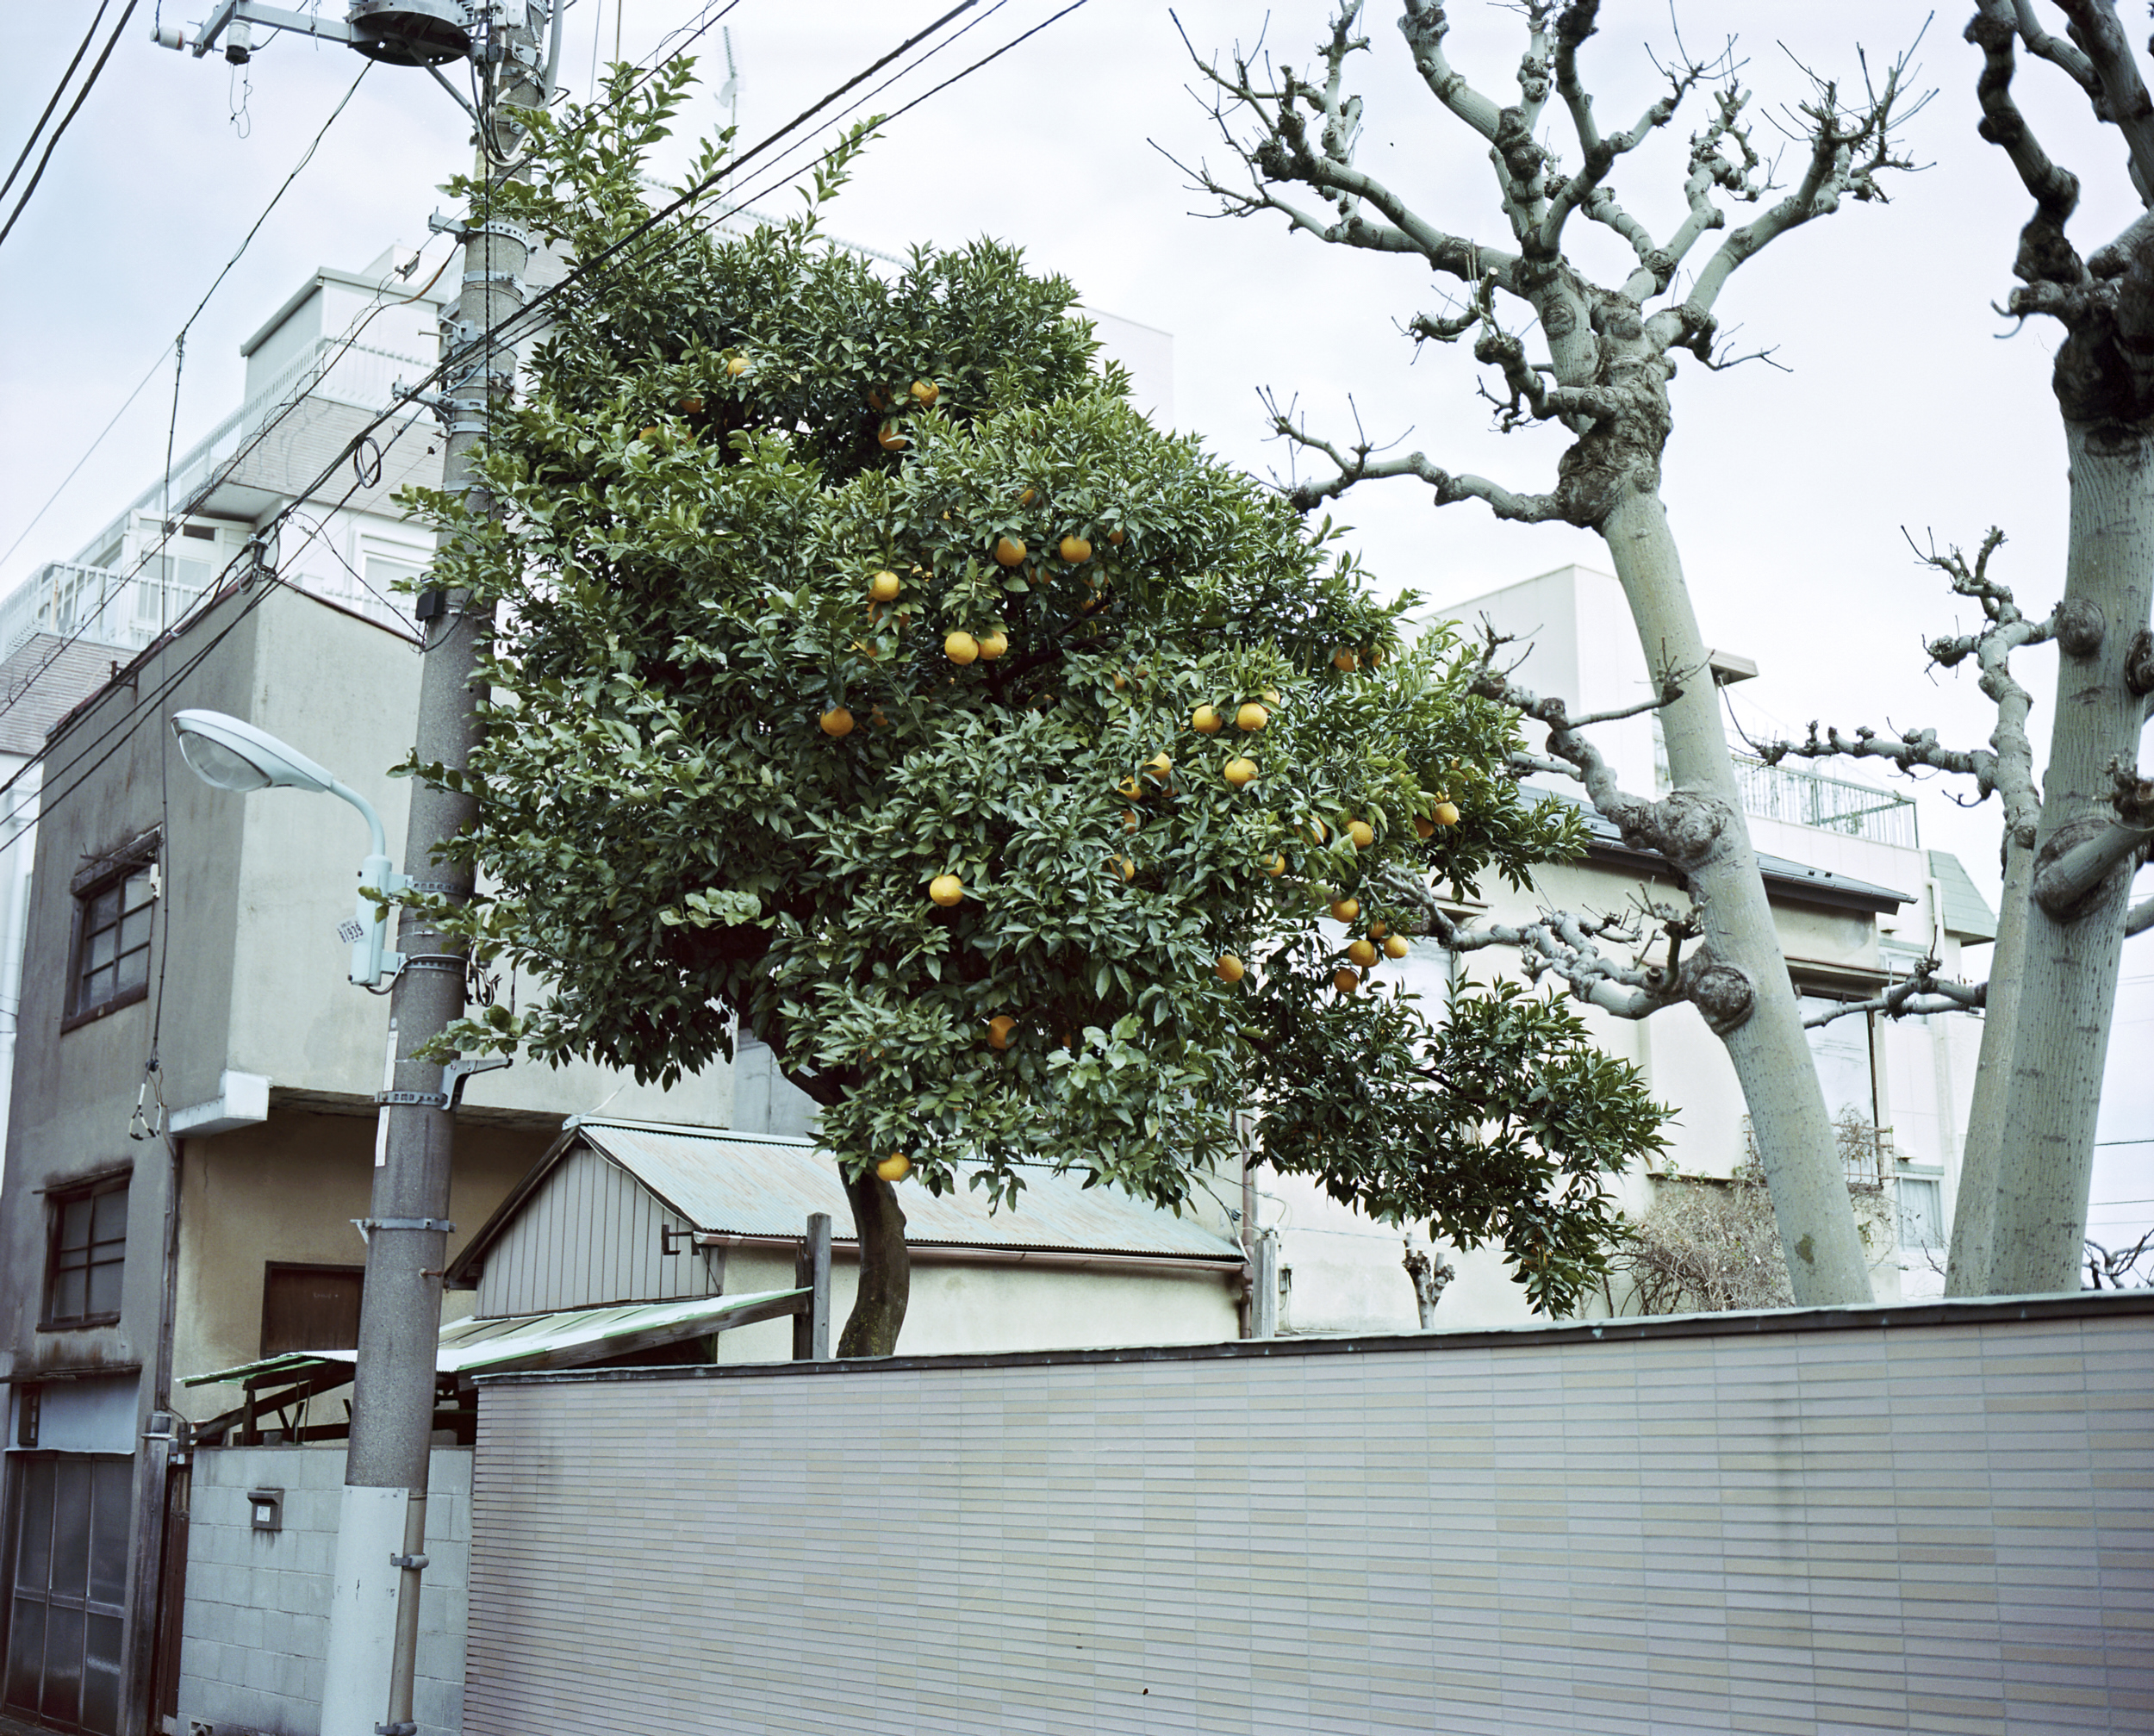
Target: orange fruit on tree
[837, 721]
[1230, 968]
[1397, 946]
[1277, 864]
[1129, 821]
[1345, 980]
[648, 434]
[894, 1168]
[1009, 550]
[1342, 660]
[890, 440]
[998, 1029]
[876, 719]
[737, 366]
[1361, 832]
[1160, 764]
[961, 647]
[1131, 789]
[1447, 813]
[1346, 909]
[994, 644]
[1423, 826]
[924, 393]
[1205, 720]
[883, 588]
[1115, 537]
[1251, 717]
[1075, 550]
[692, 405]
[1239, 772]
[946, 889]
[1363, 953]
[1317, 831]
[1376, 930]
[1025, 498]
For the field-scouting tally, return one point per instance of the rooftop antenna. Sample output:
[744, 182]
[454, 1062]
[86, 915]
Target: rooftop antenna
[729, 92]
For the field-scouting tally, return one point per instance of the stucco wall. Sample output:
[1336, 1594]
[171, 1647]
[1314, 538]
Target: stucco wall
[1818, 1523]
[256, 1628]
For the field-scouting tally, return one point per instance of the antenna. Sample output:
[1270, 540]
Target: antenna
[729, 92]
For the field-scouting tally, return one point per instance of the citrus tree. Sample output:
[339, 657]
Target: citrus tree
[868, 673]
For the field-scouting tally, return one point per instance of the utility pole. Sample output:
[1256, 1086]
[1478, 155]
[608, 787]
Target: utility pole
[382, 1530]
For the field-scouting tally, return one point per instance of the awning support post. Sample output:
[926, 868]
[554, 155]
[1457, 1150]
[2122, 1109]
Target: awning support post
[811, 1271]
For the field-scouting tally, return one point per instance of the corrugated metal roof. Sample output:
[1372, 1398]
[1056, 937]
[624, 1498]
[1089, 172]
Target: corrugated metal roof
[470, 1344]
[1966, 913]
[744, 1184]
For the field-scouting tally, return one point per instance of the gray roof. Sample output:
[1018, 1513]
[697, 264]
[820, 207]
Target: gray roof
[1966, 913]
[764, 1186]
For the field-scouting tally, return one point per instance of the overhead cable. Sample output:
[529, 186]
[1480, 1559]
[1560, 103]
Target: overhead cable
[81, 95]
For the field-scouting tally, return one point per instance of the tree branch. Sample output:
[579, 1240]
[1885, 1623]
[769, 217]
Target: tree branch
[2141, 920]
[1921, 995]
[2044, 255]
[2100, 37]
[1359, 464]
[2080, 857]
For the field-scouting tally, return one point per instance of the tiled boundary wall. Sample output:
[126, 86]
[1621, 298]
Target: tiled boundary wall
[1929, 1518]
[256, 1629]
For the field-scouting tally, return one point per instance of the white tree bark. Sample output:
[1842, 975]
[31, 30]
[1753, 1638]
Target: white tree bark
[1760, 1022]
[2068, 983]
[1981, 1153]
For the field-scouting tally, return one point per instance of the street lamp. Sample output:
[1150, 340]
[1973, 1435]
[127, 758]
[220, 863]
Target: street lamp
[233, 754]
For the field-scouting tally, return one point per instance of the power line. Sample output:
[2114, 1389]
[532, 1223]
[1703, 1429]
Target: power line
[59, 91]
[74, 108]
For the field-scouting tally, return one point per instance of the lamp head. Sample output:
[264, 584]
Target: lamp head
[236, 755]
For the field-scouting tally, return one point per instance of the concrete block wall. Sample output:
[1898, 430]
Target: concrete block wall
[1834, 1521]
[255, 1631]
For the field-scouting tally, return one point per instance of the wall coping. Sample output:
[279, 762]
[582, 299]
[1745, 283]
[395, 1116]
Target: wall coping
[1765, 1323]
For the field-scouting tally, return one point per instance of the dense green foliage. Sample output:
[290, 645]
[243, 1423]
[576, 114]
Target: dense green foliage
[719, 451]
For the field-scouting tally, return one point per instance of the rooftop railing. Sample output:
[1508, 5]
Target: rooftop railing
[1805, 798]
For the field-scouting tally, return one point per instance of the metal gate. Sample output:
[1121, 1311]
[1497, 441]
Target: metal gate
[66, 1584]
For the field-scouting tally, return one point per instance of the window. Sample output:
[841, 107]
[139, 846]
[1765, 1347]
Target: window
[88, 1251]
[1921, 1210]
[114, 903]
[310, 1307]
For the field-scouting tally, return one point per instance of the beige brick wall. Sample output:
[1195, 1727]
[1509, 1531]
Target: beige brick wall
[1922, 1519]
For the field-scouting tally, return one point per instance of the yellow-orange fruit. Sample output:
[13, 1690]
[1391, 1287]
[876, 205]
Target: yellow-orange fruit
[1160, 764]
[692, 405]
[1447, 813]
[998, 1029]
[1363, 953]
[1251, 717]
[1123, 866]
[1239, 772]
[1129, 821]
[994, 644]
[1115, 537]
[883, 588]
[1205, 720]
[946, 889]
[1376, 930]
[1397, 946]
[961, 648]
[1131, 789]
[894, 1168]
[737, 366]
[648, 434]
[1009, 550]
[889, 438]
[1342, 660]
[1346, 981]
[1075, 550]
[1317, 831]
[837, 721]
[1425, 827]
[1361, 832]
[924, 393]
[1277, 864]
[1346, 910]
[1230, 968]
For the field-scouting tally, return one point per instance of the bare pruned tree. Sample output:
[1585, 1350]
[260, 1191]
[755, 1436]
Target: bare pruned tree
[1610, 349]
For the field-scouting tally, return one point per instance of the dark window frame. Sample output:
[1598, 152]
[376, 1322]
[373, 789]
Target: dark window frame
[57, 1200]
[105, 874]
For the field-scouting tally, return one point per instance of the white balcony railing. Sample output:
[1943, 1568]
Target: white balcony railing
[1805, 798]
[101, 606]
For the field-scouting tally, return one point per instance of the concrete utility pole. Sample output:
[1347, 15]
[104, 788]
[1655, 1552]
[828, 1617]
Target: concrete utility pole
[382, 1532]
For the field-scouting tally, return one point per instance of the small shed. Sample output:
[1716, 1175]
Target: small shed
[624, 1212]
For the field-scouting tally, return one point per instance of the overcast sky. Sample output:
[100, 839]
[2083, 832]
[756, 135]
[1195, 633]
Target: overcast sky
[1905, 403]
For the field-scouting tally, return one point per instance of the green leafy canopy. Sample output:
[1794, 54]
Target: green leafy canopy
[722, 447]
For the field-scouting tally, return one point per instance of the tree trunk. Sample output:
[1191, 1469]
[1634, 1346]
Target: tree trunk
[1756, 1015]
[1981, 1157]
[2068, 989]
[886, 1270]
